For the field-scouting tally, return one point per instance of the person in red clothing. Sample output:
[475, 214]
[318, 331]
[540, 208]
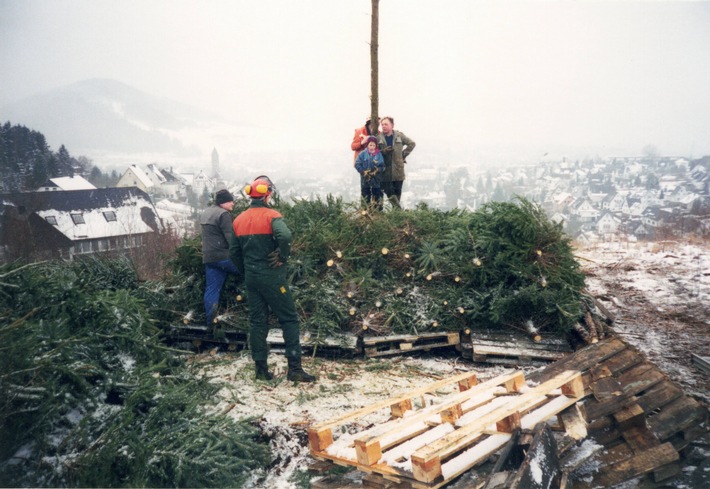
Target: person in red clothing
[359, 143]
[260, 248]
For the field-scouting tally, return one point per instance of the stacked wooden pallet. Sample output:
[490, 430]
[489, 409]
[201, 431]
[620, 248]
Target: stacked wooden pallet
[511, 348]
[343, 344]
[611, 397]
[200, 335]
[633, 410]
[378, 346]
[428, 444]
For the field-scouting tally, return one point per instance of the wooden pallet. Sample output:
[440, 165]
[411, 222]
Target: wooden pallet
[435, 443]
[345, 343]
[703, 363]
[198, 335]
[506, 348]
[642, 419]
[378, 346]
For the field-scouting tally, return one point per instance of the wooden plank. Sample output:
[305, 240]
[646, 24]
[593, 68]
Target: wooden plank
[614, 454]
[639, 464]
[632, 415]
[605, 388]
[703, 363]
[503, 458]
[675, 417]
[469, 458]
[446, 337]
[666, 472]
[573, 423]
[640, 438]
[658, 396]
[404, 347]
[489, 350]
[426, 461]
[343, 341]
[600, 371]
[521, 344]
[541, 467]
[377, 481]
[318, 440]
[582, 360]
[510, 361]
[578, 455]
[509, 337]
[369, 447]
[546, 411]
[623, 360]
[334, 482]
[631, 385]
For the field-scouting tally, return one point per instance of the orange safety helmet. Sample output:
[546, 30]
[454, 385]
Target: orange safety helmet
[260, 187]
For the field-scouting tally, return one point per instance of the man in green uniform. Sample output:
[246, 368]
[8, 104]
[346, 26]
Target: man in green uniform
[260, 248]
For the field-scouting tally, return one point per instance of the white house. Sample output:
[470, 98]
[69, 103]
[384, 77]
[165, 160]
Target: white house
[76, 182]
[134, 176]
[607, 223]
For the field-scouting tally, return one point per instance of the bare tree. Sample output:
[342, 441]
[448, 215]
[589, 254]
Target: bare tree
[374, 96]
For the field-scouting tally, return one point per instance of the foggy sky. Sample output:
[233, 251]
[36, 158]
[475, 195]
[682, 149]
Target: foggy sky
[610, 76]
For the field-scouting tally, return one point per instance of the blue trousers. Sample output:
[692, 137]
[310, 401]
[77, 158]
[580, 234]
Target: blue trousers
[371, 194]
[216, 273]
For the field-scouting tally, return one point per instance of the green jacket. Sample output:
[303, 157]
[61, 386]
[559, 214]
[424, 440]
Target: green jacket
[258, 231]
[394, 161]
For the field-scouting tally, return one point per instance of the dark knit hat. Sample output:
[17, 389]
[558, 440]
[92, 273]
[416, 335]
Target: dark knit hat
[222, 197]
[371, 139]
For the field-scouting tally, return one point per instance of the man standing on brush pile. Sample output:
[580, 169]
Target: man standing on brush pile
[395, 147]
[260, 248]
[216, 223]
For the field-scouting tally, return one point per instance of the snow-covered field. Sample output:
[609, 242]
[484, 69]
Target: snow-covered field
[658, 293]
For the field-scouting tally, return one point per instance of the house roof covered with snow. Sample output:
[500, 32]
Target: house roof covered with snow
[89, 214]
[75, 182]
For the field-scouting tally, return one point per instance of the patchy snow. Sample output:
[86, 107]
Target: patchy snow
[127, 362]
[658, 293]
[285, 410]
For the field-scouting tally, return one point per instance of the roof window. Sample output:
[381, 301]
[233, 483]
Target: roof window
[110, 216]
[78, 218]
[51, 220]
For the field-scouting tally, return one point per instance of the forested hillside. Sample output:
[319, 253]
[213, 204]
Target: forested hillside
[27, 161]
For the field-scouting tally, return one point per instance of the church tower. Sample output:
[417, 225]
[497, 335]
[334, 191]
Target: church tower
[215, 163]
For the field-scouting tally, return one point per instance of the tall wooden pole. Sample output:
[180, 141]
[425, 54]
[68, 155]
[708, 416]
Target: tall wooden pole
[374, 97]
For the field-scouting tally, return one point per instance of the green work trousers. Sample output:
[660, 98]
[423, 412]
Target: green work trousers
[266, 290]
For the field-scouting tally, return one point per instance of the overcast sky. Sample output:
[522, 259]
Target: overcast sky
[613, 76]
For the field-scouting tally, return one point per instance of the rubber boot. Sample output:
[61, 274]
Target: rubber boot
[296, 373]
[262, 370]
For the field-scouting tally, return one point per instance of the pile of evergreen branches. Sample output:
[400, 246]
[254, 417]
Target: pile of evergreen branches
[421, 270]
[91, 397]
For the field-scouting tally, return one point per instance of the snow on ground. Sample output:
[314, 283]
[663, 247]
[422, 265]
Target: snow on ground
[658, 293]
[284, 410]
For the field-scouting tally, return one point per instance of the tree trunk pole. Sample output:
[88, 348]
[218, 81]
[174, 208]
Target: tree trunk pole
[374, 97]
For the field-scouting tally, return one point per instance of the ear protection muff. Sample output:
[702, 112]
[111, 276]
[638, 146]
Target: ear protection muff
[260, 187]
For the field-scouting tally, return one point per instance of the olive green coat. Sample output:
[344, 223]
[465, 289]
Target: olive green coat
[395, 161]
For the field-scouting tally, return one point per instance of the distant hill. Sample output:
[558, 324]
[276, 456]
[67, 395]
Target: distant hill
[101, 116]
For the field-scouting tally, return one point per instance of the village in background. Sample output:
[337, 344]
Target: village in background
[85, 211]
